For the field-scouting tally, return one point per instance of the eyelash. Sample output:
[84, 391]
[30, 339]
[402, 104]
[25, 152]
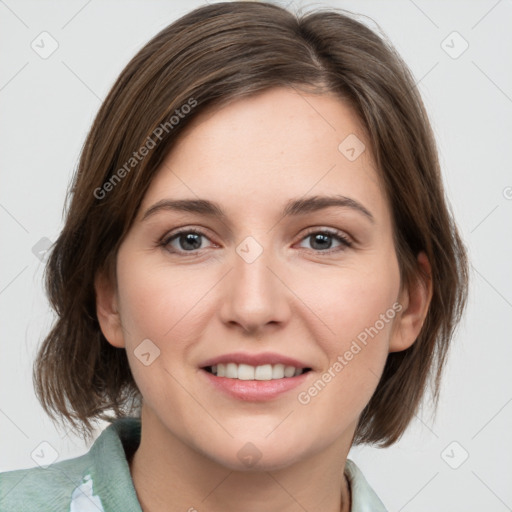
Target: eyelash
[338, 235]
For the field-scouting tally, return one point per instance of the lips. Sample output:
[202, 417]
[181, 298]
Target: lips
[254, 390]
[287, 374]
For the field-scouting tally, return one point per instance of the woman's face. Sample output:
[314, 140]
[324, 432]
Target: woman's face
[269, 278]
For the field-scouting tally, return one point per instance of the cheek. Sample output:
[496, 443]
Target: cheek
[365, 313]
[356, 354]
[354, 314]
[167, 306]
[347, 303]
[158, 303]
[161, 305]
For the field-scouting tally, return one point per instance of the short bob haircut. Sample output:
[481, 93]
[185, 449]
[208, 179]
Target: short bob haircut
[211, 56]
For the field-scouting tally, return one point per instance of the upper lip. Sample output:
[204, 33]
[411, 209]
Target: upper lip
[254, 359]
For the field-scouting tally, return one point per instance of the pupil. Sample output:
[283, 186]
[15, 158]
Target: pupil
[321, 237]
[189, 238]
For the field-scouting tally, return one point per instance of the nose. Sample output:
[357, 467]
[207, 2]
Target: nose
[255, 294]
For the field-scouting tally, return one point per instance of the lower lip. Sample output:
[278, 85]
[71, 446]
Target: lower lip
[255, 390]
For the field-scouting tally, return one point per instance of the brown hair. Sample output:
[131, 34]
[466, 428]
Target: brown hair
[209, 57]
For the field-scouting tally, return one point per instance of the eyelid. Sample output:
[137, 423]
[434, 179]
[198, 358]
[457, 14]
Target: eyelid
[164, 240]
[331, 231]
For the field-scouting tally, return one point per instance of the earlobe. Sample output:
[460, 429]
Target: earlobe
[107, 310]
[415, 303]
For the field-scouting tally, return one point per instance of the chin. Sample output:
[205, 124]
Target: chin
[257, 456]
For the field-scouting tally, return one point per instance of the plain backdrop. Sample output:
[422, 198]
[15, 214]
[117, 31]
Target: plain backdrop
[459, 52]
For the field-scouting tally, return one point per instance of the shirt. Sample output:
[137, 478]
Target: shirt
[100, 480]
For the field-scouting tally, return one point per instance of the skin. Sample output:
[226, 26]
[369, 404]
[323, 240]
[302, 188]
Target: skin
[251, 157]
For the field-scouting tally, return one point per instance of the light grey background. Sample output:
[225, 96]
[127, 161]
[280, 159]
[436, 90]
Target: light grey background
[47, 106]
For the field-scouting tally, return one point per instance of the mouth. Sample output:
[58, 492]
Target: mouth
[241, 381]
[246, 372]
[254, 377]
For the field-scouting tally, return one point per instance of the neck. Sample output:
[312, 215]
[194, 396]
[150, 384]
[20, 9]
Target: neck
[169, 475]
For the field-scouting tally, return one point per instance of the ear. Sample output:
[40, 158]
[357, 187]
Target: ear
[415, 302]
[107, 309]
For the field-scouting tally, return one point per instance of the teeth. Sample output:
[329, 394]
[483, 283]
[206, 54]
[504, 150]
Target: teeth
[248, 372]
[278, 371]
[245, 372]
[263, 372]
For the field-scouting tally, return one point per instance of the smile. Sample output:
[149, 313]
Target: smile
[249, 372]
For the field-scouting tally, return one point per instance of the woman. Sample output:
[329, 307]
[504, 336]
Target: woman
[320, 290]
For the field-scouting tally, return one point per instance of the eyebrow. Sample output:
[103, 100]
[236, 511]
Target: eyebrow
[292, 208]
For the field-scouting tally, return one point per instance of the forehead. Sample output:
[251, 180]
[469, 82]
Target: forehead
[257, 152]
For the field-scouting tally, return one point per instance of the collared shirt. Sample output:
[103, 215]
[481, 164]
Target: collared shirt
[100, 480]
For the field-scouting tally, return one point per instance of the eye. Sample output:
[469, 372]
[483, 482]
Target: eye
[189, 241]
[186, 240]
[321, 240]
